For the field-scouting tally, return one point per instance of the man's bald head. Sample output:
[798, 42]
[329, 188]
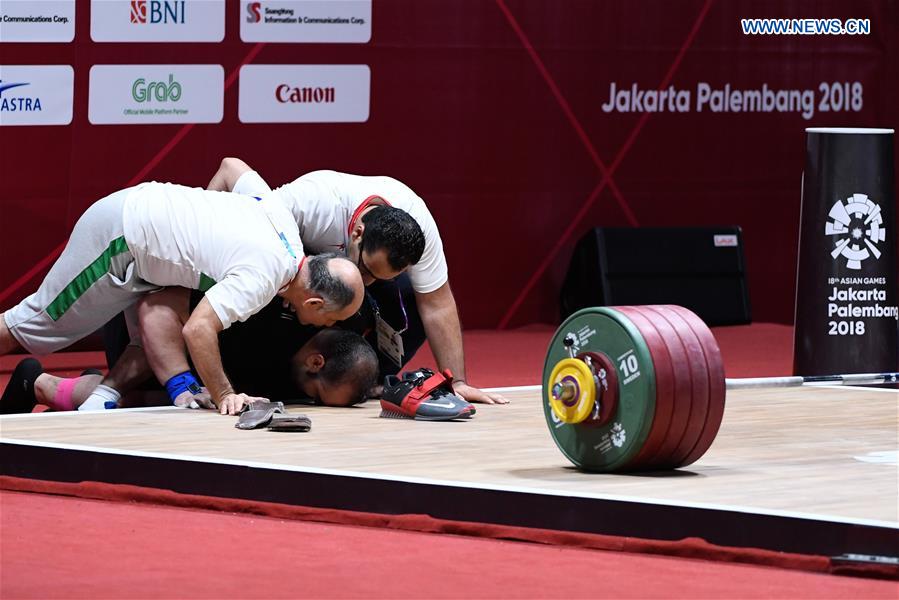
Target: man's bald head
[340, 269]
[327, 289]
[335, 279]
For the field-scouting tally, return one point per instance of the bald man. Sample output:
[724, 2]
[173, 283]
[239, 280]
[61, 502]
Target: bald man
[242, 251]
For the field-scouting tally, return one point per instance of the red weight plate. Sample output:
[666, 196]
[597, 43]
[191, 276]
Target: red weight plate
[699, 395]
[664, 374]
[717, 386]
[683, 389]
[606, 400]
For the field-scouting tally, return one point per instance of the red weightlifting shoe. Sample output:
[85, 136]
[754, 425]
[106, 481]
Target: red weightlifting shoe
[423, 395]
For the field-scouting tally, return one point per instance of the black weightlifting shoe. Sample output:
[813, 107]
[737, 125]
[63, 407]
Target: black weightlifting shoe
[18, 397]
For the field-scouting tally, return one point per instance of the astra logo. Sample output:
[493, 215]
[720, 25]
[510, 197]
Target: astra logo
[301, 95]
[254, 12]
[160, 91]
[17, 104]
[157, 11]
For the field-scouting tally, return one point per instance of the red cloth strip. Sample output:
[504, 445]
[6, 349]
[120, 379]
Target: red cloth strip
[695, 548]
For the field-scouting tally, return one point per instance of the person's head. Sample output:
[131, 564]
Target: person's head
[335, 367]
[327, 289]
[384, 242]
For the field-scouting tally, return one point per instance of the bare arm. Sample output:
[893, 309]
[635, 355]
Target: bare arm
[229, 172]
[441, 321]
[201, 336]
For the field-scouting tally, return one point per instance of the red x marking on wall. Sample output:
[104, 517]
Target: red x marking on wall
[45, 262]
[606, 173]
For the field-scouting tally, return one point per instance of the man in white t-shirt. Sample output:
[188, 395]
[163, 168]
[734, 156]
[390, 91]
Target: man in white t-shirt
[342, 212]
[241, 251]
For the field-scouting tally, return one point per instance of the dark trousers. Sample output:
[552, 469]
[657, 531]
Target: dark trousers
[384, 296]
[267, 327]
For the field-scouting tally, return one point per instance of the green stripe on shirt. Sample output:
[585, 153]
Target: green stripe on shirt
[206, 282]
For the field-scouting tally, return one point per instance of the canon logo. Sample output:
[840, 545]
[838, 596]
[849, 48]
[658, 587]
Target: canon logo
[301, 95]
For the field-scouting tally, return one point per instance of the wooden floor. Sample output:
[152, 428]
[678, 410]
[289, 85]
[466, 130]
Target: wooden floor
[821, 453]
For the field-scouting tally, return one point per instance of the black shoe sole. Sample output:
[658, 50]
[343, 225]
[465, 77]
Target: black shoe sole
[18, 397]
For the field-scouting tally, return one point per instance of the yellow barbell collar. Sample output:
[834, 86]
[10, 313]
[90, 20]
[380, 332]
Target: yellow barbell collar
[572, 374]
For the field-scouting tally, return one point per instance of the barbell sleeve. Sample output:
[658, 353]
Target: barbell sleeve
[812, 380]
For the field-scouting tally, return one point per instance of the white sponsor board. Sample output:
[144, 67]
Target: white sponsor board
[157, 20]
[311, 21]
[304, 93]
[37, 20]
[36, 94]
[153, 94]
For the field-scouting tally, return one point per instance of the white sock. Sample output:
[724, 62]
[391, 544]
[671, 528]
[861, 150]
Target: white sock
[99, 397]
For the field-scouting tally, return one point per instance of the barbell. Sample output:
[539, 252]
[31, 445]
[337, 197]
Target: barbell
[631, 388]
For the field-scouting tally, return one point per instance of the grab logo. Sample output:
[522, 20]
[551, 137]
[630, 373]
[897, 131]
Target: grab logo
[857, 229]
[155, 94]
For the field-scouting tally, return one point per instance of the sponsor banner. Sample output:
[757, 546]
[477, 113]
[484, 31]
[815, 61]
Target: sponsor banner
[37, 20]
[152, 94]
[847, 283]
[311, 21]
[304, 93]
[36, 94]
[157, 20]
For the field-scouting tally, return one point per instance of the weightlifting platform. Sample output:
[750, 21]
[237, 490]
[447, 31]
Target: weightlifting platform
[810, 470]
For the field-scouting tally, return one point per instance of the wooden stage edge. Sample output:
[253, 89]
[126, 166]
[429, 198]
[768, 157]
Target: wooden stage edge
[789, 471]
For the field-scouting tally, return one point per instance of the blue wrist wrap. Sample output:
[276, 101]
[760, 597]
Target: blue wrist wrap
[180, 383]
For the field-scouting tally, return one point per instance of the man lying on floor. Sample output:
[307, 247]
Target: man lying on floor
[154, 235]
[269, 356]
[261, 354]
[384, 227]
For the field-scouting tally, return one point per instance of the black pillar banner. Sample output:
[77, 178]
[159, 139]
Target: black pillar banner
[846, 304]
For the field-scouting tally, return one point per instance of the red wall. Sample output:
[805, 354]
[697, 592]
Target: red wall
[462, 112]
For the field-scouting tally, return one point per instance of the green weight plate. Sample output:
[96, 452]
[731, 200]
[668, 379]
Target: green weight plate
[683, 389]
[715, 370]
[661, 360]
[699, 396]
[609, 447]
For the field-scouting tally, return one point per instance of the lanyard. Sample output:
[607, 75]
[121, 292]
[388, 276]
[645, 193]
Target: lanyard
[280, 233]
[399, 296]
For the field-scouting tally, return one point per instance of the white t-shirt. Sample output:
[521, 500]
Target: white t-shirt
[324, 203]
[190, 237]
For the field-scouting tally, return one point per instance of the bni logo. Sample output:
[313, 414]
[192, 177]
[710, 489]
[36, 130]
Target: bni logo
[157, 11]
[17, 104]
[254, 12]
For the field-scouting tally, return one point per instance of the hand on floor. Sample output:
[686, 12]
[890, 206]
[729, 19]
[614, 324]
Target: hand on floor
[473, 394]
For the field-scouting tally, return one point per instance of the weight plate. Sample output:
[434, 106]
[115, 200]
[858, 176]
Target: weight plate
[699, 396]
[683, 388]
[606, 387]
[578, 377]
[611, 446]
[717, 387]
[665, 389]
